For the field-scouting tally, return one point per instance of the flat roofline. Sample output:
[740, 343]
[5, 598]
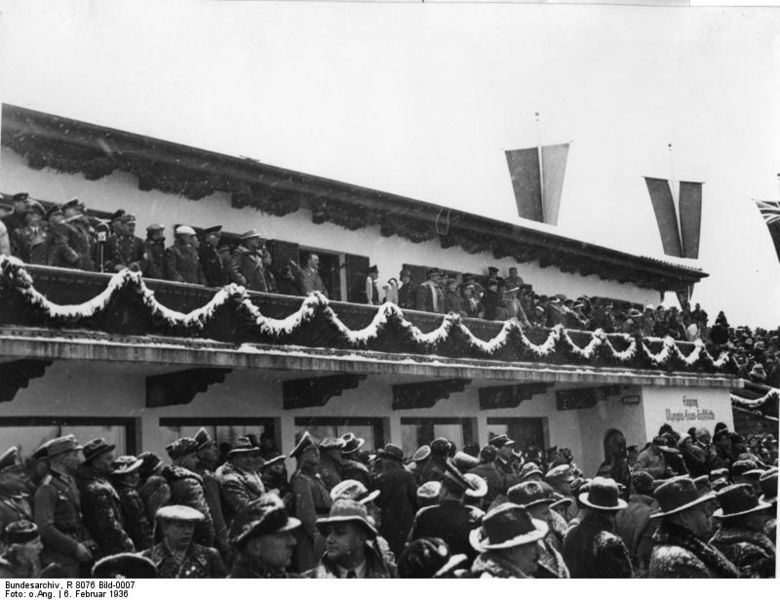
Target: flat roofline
[100, 150]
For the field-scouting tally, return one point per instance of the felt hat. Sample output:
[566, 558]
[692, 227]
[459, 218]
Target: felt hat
[57, 446]
[531, 493]
[500, 441]
[330, 443]
[488, 453]
[530, 470]
[676, 495]
[149, 462]
[124, 566]
[305, 442]
[243, 446]
[507, 526]
[20, 532]
[263, 516]
[204, 439]
[768, 483]
[421, 453]
[745, 468]
[184, 230]
[251, 234]
[738, 500]
[351, 443]
[719, 473]
[560, 500]
[429, 490]
[453, 475]
[479, 487]
[124, 465]
[603, 494]
[95, 448]
[346, 510]
[179, 512]
[10, 460]
[440, 446]
[392, 452]
[719, 484]
[703, 485]
[642, 482]
[182, 447]
[428, 558]
[155, 227]
[464, 461]
[353, 490]
[559, 473]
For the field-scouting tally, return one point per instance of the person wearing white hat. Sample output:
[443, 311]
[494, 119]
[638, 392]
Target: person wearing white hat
[250, 269]
[182, 262]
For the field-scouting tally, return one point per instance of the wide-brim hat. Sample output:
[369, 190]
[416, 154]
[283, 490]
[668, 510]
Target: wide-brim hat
[304, 442]
[678, 494]
[559, 473]
[453, 475]
[251, 234]
[392, 452]
[243, 445]
[603, 494]
[421, 453]
[354, 490]
[528, 470]
[561, 500]
[149, 462]
[10, 460]
[500, 441]
[124, 465]
[182, 447]
[738, 500]
[330, 443]
[95, 448]
[124, 566]
[264, 516]
[530, 493]
[454, 561]
[345, 510]
[204, 439]
[351, 443]
[272, 461]
[768, 483]
[480, 486]
[507, 526]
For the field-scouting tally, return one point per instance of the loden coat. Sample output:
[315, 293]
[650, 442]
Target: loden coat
[678, 554]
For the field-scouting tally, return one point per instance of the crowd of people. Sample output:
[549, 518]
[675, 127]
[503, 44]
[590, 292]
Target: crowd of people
[66, 236]
[691, 505]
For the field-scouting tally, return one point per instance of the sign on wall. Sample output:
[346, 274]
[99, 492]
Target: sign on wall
[689, 412]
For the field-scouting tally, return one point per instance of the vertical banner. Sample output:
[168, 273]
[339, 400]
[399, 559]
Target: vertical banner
[770, 210]
[665, 215]
[690, 217]
[553, 169]
[526, 181]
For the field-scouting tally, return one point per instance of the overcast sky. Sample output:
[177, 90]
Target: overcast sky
[422, 100]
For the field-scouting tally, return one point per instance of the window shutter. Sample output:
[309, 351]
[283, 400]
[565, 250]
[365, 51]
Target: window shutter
[418, 273]
[357, 271]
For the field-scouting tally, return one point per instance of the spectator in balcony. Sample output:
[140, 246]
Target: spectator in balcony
[719, 334]
[14, 219]
[59, 251]
[215, 271]
[153, 264]
[406, 291]
[429, 296]
[181, 259]
[491, 301]
[249, 262]
[81, 234]
[471, 300]
[124, 249]
[32, 239]
[513, 281]
[370, 292]
[115, 218]
[270, 277]
[5, 237]
[288, 284]
[391, 290]
[453, 302]
[309, 275]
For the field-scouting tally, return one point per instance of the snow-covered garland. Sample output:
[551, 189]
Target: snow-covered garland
[773, 395]
[13, 274]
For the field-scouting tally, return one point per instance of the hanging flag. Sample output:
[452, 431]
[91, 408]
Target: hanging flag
[770, 210]
[690, 217]
[665, 215]
[537, 181]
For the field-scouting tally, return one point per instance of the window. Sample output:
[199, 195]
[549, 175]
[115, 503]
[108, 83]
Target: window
[417, 432]
[526, 432]
[30, 432]
[329, 269]
[224, 430]
[370, 429]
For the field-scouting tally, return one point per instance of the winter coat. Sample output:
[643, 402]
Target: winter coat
[552, 560]
[153, 263]
[751, 552]
[453, 303]
[634, 526]
[155, 493]
[200, 562]
[187, 489]
[433, 470]
[33, 244]
[212, 491]
[249, 264]
[429, 297]
[398, 503]
[491, 565]
[102, 514]
[652, 463]
[494, 478]
[137, 524]
[695, 458]
[312, 501]
[678, 554]
[81, 239]
[329, 471]
[123, 251]
[183, 265]
[244, 569]
[591, 551]
[310, 281]
[216, 273]
[239, 488]
[375, 567]
[450, 521]
[406, 295]
[353, 469]
[558, 529]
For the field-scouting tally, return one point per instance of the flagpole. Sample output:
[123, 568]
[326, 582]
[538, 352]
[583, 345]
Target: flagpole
[541, 163]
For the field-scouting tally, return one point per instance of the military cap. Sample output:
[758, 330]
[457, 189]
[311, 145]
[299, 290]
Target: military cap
[431, 272]
[118, 215]
[251, 234]
[95, 448]
[73, 203]
[124, 465]
[179, 512]
[124, 566]
[421, 453]
[127, 218]
[35, 206]
[182, 447]
[53, 211]
[346, 510]
[266, 515]
[6, 209]
[243, 445]
[304, 443]
[150, 461]
[210, 230]
[20, 532]
[429, 490]
[330, 443]
[20, 197]
[351, 443]
[155, 227]
[500, 441]
[57, 446]
[493, 270]
[391, 452]
[354, 490]
[10, 461]
[405, 273]
[440, 446]
[184, 230]
[373, 269]
[204, 439]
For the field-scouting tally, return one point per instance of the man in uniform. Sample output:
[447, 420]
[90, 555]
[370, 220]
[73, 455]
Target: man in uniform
[208, 455]
[153, 264]
[14, 503]
[81, 235]
[32, 237]
[187, 486]
[261, 535]
[58, 509]
[329, 468]
[124, 249]
[429, 296]
[503, 446]
[100, 502]
[215, 272]
[178, 556]
[240, 482]
[249, 262]
[351, 467]
[181, 259]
